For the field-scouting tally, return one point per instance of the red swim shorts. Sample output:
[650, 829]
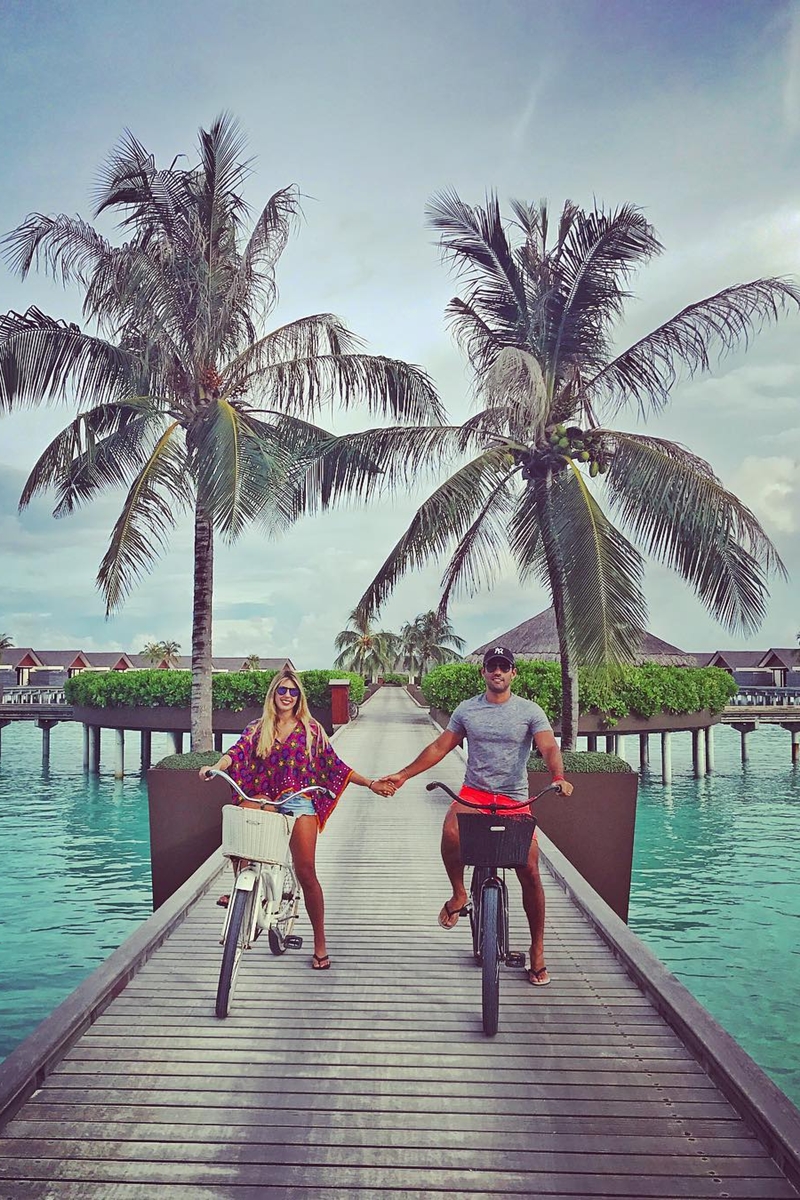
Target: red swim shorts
[486, 798]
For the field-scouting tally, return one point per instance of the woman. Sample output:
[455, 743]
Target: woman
[274, 759]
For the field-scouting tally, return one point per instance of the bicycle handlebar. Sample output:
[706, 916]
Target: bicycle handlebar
[514, 806]
[262, 800]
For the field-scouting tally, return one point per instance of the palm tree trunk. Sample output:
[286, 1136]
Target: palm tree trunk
[555, 569]
[202, 736]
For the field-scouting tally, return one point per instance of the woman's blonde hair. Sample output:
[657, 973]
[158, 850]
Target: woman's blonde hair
[316, 736]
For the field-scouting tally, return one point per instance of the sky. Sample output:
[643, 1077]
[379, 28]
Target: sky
[689, 110]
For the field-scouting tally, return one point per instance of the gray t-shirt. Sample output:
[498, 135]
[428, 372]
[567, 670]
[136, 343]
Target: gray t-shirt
[499, 739]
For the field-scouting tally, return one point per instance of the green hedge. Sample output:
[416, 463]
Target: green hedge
[395, 679]
[642, 691]
[578, 762]
[192, 761]
[234, 690]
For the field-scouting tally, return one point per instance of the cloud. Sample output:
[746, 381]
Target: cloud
[771, 487]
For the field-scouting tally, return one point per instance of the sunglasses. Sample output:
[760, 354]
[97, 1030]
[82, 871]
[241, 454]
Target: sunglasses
[287, 691]
[494, 663]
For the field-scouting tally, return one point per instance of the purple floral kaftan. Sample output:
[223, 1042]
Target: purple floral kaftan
[287, 768]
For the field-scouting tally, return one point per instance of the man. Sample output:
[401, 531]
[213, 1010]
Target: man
[500, 729]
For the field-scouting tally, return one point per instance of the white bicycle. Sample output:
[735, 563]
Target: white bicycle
[265, 893]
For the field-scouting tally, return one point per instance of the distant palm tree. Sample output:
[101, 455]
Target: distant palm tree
[153, 652]
[170, 651]
[428, 641]
[538, 319]
[252, 662]
[184, 399]
[364, 649]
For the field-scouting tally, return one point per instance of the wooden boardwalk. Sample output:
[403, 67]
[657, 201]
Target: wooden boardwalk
[374, 1078]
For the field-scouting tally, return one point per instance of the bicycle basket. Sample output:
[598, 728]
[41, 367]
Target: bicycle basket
[488, 841]
[255, 834]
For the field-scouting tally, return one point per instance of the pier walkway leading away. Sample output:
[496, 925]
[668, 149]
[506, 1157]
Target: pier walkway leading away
[374, 1079]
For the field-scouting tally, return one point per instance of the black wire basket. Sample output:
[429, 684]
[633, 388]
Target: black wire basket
[495, 841]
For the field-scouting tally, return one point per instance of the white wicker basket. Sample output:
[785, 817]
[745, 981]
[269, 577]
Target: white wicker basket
[256, 834]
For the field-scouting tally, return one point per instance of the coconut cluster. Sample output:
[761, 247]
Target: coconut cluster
[561, 444]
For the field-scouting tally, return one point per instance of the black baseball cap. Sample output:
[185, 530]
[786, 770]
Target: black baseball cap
[498, 652]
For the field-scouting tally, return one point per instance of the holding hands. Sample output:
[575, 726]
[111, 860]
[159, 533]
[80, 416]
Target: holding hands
[384, 786]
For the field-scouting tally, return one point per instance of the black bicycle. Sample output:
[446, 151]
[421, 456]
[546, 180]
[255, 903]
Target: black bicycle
[491, 844]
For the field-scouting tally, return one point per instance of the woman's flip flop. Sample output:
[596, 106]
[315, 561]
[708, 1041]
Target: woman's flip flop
[320, 962]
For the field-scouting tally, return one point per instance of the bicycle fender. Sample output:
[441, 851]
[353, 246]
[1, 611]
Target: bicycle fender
[245, 881]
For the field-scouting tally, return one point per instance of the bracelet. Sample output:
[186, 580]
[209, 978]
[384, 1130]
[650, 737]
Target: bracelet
[369, 785]
[559, 779]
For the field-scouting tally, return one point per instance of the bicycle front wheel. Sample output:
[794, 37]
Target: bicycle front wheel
[490, 956]
[286, 916]
[232, 953]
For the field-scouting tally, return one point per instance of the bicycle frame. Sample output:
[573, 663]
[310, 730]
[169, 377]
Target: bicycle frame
[488, 893]
[265, 896]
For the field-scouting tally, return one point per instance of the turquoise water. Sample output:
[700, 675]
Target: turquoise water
[74, 869]
[716, 890]
[716, 881]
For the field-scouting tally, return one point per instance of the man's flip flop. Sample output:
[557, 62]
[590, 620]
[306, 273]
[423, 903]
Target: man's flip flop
[223, 901]
[448, 917]
[538, 978]
[320, 962]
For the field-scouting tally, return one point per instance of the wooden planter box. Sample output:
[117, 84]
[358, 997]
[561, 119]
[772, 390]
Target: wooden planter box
[594, 829]
[185, 825]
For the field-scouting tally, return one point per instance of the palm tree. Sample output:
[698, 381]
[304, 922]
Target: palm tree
[182, 396]
[153, 652]
[364, 649]
[170, 652]
[427, 641]
[252, 662]
[537, 320]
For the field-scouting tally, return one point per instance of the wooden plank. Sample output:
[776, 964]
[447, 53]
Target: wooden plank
[373, 1178]
[147, 1139]
[622, 1102]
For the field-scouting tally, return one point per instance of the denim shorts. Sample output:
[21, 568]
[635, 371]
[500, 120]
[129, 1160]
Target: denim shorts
[296, 805]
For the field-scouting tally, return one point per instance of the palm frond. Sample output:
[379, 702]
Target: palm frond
[45, 359]
[387, 387]
[357, 466]
[690, 522]
[475, 242]
[602, 575]
[481, 548]
[515, 382]
[443, 519]
[305, 338]
[646, 372]
[100, 448]
[241, 469]
[598, 253]
[66, 248]
[147, 518]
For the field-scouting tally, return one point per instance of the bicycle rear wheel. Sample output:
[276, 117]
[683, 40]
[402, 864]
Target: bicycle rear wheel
[490, 955]
[232, 953]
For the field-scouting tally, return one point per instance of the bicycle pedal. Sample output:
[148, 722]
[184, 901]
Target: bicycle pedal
[293, 942]
[515, 960]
